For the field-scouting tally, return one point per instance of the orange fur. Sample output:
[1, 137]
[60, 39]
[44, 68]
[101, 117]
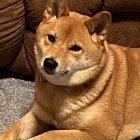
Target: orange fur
[94, 92]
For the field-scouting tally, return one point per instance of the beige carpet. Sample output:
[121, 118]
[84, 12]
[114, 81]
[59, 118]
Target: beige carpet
[16, 96]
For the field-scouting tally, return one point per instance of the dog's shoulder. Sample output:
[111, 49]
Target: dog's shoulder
[131, 53]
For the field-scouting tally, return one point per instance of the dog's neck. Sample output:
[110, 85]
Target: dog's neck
[95, 86]
[91, 90]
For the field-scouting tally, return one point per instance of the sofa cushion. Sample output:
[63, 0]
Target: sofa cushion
[122, 5]
[11, 29]
[34, 12]
[25, 61]
[125, 29]
[86, 7]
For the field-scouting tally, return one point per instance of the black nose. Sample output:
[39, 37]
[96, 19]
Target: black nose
[50, 65]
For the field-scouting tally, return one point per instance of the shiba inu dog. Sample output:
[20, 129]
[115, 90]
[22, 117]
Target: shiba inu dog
[85, 88]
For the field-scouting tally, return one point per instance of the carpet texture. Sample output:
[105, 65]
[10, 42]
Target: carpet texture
[16, 96]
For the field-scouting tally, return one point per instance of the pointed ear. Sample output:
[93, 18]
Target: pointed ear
[99, 25]
[56, 9]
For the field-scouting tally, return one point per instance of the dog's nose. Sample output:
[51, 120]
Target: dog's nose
[50, 65]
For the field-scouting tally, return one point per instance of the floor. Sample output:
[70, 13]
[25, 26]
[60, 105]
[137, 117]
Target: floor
[16, 96]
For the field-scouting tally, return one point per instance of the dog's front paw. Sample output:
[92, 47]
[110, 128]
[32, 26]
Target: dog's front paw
[11, 136]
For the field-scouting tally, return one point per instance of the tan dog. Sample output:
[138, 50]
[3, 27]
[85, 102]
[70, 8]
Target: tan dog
[85, 88]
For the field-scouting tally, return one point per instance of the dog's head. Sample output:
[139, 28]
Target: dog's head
[69, 46]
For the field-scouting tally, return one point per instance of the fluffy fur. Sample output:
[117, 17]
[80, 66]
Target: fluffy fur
[93, 93]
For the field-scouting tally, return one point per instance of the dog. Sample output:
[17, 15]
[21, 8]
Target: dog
[85, 88]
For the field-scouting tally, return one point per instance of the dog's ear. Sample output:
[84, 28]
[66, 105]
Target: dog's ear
[99, 25]
[56, 8]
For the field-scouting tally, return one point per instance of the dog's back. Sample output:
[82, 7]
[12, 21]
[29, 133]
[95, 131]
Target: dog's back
[132, 109]
[130, 61]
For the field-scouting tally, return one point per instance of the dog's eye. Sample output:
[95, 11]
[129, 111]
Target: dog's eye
[75, 48]
[51, 38]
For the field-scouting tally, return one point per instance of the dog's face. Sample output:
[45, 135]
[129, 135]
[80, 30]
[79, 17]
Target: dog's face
[68, 50]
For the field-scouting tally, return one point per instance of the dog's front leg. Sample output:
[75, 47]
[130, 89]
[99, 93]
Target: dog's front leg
[27, 127]
[63, 135]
